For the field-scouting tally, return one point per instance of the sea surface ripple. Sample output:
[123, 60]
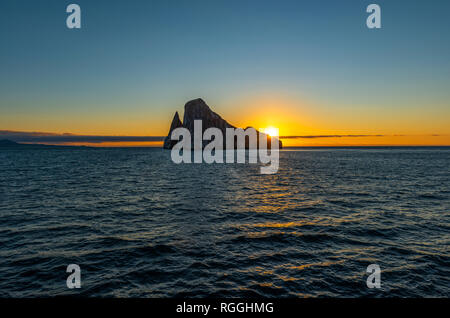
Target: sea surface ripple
[141, 226]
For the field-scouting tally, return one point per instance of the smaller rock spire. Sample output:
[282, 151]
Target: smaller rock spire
[176, 122]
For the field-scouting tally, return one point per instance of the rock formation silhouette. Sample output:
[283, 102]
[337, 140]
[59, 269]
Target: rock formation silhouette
[197, 109]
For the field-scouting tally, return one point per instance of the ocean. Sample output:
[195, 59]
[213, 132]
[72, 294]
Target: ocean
[139, 225]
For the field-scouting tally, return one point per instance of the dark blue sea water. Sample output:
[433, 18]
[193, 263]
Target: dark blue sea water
[140, 226]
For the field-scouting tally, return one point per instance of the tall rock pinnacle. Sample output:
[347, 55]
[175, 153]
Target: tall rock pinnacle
[197, 109]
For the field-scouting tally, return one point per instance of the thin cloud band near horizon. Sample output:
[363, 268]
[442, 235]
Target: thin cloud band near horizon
[31, 137]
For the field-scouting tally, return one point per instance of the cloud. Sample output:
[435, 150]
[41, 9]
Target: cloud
[42, 137]
[54, 138]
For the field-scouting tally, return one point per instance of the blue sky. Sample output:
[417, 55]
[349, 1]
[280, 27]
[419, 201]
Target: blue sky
[147, 58]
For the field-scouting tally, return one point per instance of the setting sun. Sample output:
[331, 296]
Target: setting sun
[271, 131]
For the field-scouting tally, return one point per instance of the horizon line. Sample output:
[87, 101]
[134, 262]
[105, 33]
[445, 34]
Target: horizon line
[32, 137]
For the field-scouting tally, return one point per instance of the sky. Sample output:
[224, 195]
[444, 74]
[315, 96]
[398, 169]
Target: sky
[309, 68]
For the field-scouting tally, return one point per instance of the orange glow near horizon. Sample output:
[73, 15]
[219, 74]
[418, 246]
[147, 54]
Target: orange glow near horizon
[443, 140]
[408, 124]
[107, 144]
[417, 140]
[311, 121]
